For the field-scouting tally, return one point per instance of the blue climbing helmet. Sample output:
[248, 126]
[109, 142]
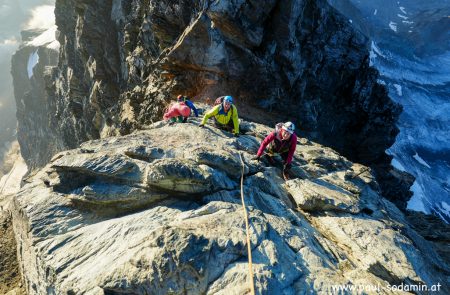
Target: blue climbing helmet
[228, 99]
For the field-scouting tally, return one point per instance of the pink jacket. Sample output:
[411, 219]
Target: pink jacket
[280, 145]
[177, 109]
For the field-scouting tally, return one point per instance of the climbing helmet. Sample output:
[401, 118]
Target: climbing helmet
[289, 127]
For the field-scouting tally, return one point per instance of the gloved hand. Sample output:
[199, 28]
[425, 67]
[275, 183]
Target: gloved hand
[201, 125]
[256, 158]
[286, 175]
[286, 168]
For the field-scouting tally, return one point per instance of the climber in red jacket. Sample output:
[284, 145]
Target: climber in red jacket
[180, 111]
[282, 141]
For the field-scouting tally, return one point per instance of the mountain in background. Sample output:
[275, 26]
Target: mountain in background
[411, 49]
[16, 16]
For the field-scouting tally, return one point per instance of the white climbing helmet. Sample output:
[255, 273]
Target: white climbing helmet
[289, 127]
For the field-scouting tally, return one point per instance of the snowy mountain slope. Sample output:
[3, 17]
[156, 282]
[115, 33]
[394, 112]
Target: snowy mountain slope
[411, 49]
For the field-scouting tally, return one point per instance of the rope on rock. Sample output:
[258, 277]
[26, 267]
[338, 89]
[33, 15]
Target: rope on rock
[247, 229]
[367, 169]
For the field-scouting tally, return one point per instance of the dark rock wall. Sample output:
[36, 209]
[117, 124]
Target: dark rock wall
[122, 61]
[88, 81]
[35, 107]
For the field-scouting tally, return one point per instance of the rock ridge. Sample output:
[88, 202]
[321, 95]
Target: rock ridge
[269, 55]
[158, 211]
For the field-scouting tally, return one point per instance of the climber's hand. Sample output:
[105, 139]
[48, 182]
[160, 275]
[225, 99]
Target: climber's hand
[286, 169]
[286, 175]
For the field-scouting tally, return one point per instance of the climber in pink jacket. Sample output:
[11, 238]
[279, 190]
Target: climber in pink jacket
[178, 111]
[282, 141]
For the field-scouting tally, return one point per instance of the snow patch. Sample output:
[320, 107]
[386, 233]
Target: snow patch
[393, 26]
[350, 21]
[402, 16]
[374, 52]
[398, 88]
[379, 81]
[10, 183]
[416, 201]
[33, 60]
[403, 9]
[445, 208]
[375, 12]
[420, 160]
[46, 39]
[427, 71]
[397, 165]
[407, 22]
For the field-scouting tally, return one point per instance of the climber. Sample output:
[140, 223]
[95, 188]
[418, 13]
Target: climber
[188, 102]
[282, 141]
[181, 110]
[225, 115]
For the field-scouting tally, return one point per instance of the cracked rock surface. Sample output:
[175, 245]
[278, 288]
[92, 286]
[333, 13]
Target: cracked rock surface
[158, 211]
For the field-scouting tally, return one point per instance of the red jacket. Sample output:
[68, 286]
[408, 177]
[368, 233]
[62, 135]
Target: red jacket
[280, 145]
[177, 109]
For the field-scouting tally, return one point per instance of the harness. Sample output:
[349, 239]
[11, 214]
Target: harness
[279, 145]
[222, 111]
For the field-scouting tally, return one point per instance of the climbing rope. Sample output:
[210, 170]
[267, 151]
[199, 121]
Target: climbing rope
[247, 229]
[367, 169]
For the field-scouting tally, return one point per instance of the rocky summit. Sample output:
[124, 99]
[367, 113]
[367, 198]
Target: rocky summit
[159, 211]
[121, 61]
[118, 202]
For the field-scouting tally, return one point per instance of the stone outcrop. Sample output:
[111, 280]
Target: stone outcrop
[31, 68]
[158, 211]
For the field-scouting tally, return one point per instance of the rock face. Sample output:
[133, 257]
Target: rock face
[158, 211]
[121, 61]
[31, 68]
[433, 229]
[274, 53]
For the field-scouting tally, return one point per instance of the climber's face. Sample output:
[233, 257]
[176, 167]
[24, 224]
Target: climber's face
[285, 135]
[226, 105]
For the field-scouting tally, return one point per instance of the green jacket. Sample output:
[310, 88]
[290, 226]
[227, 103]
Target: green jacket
[223, 118]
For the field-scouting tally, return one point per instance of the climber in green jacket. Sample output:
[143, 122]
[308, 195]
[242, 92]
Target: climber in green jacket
[225, 115]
